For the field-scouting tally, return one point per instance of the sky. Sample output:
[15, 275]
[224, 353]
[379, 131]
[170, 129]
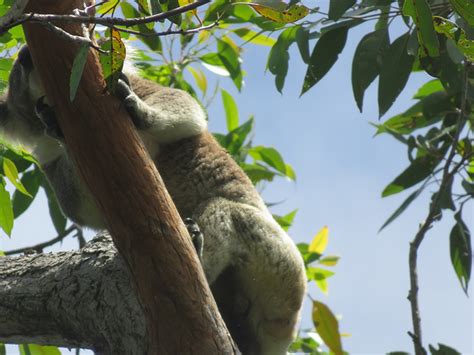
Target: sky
[341, 170]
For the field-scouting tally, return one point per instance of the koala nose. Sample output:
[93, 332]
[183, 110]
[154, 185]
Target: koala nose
[24, 57]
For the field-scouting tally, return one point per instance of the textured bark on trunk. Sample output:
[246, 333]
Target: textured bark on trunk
[81, 299]
[181, 315]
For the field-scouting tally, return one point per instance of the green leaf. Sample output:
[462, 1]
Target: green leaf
[144, 7]
[461, 251]
[465, 8]
[419, 170]
[6, 210]
[286, 221]
[396, 68]
[270, 156]
[10, 171]
[443, 350]
[279, 56]
[456, 35]
[212, 62]
[231, 110]
[150, 39]
[403, 207]
[420, 12]
[20, 201]
[257, 173]
[280, 12]
[3, 351]
[200, 78]
[112, 62]
[231, 61]
[254, 37]
[57, 216]
[234, 140]
[337, 8]
[77, 70]
[327, 327]
[430, 110]
[429, 88]
[330, 260]
[319, 276]
[155, 7]
[367, 61]
[302, 40]
[325, 54]
[33, 349]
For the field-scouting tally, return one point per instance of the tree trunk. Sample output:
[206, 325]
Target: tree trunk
[181, 315]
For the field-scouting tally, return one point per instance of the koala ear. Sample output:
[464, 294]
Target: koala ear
[24, 57]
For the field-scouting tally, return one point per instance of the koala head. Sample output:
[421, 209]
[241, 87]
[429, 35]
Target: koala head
[20, 122]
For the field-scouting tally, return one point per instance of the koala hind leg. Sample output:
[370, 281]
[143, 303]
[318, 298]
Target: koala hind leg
[273, 279]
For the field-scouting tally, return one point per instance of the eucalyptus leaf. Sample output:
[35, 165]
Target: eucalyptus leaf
[396, 68]
[325, 54]
[461, 251]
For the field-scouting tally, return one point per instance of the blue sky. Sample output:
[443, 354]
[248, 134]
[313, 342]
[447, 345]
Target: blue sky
[341, 170]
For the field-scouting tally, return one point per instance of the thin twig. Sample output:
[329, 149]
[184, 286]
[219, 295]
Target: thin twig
[70, 37]
[106, 21]
[168, 32]
[446, 180]
[39, 247]
[15, 11]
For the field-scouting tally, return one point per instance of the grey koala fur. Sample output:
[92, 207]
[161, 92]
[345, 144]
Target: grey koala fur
[255, 270]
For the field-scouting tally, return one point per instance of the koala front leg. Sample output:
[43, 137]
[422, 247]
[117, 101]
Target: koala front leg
[196, 236]
[167, 115]
[48, 117]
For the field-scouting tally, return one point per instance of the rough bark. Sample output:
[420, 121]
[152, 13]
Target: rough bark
[181, 315]
[73, 299]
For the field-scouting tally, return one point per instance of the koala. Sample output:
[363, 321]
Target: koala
[254, 269]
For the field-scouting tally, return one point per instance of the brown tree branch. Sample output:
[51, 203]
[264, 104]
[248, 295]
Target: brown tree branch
[38, 248]
[447, 177]
[54, 17]
[181, 315]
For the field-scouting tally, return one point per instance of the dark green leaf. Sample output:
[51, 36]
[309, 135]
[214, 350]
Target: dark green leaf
[367, 61]
[153, 42]
[21, 201]
[420, 12]
[468, 187]
[419, 170]
[461, 251]
[403, 207]
[396, 68]
[430, 110]
[325, 54]
[77, 69]
[278, 57]
[2, 349]
[6, 210]
[465, 8]
[257, 173]
[337, 8]
[57, 216]
[302, 40]
[270, 156]
[443, 350]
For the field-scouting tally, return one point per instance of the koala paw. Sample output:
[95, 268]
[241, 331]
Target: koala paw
[47, 116]
[196, 236]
